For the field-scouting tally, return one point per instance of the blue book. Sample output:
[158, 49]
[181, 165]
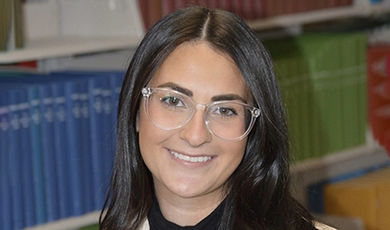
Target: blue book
[73, 114]
[85, 147]
[26, 157]
[37, 157]
[14, 167]
[48, 151]
[96, 118]
[111, 99]
[61, 146]
[5, 193]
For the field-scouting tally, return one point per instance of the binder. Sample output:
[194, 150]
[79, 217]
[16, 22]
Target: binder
[14, 167]
[5, 193]
[48, 152]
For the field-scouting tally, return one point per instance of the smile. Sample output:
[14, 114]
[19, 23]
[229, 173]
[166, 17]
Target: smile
[189, 158]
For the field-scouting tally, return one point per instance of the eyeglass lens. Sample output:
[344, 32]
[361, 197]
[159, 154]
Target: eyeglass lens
[170, 110]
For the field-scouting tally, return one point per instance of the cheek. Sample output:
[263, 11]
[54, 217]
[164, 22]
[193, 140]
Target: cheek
[232, 155]
[150, 140]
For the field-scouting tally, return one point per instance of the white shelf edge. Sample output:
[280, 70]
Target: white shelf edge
[67, 46]
[336, 158]
[319, 15]
[71, 223]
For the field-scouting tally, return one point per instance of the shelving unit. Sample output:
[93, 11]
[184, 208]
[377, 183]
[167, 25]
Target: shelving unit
[305, 172]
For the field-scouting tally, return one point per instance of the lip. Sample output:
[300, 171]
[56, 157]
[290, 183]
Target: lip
[203, 161]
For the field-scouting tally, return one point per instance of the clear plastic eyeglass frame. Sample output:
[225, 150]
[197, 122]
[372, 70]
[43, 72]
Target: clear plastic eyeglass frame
[147, 92]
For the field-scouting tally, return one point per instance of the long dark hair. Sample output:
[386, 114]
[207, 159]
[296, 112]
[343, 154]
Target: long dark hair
[258, 196]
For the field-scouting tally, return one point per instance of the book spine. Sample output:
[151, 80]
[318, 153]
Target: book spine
[5, 22]
[48, 150]
[14, 167]
[362, 87]
[61, 147]
[37, 158]
[5, 193]
[85, 145]
[26, 160]
[97, 143]
[73, 133]
[143, 6]
[18, 24]
[154, 11]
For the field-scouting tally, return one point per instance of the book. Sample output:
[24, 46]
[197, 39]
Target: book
[14, 167]
[48, 152]
[61, 146]
[36, 148]
[5, 23]
[365, 197]
[5, 193]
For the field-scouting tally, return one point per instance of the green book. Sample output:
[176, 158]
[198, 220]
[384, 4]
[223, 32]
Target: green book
[5, 23]
[362, 87]
[18, 24]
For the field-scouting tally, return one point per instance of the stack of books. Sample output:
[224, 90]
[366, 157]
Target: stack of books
[323, 84]
[57, 145]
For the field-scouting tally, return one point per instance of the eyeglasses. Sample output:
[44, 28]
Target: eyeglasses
[169, 109]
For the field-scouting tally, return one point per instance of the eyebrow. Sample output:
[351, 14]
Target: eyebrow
[228, 97]
[177, 88]
[223, 97]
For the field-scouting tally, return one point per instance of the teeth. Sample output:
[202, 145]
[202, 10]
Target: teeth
[190, 159]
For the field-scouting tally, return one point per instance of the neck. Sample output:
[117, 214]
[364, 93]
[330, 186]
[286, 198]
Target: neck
[187, 211]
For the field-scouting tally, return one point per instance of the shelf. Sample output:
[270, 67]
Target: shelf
[60, 47]
[297, 19]
[72, 223]
[340, 163]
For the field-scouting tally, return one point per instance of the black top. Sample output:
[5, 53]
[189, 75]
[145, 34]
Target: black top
[158, 222]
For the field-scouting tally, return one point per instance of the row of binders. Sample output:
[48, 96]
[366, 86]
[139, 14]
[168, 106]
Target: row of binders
[323, 83]
[57, 133]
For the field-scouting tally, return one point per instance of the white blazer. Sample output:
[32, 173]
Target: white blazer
[318, 225]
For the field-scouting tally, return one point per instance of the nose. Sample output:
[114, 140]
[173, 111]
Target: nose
[195, 132]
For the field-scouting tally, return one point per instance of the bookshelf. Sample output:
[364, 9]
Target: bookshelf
[306, 172]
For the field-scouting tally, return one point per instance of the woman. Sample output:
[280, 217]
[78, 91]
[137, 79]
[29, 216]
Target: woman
[202, 138]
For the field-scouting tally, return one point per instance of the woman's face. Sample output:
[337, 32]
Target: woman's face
[199, 69]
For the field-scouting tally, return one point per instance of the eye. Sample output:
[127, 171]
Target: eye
[225, 111]
[172, 101]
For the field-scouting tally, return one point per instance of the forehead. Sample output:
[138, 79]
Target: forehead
[202, 69]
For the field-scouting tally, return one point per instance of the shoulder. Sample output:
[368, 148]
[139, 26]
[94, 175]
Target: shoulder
[321, 226]
[145, 225]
